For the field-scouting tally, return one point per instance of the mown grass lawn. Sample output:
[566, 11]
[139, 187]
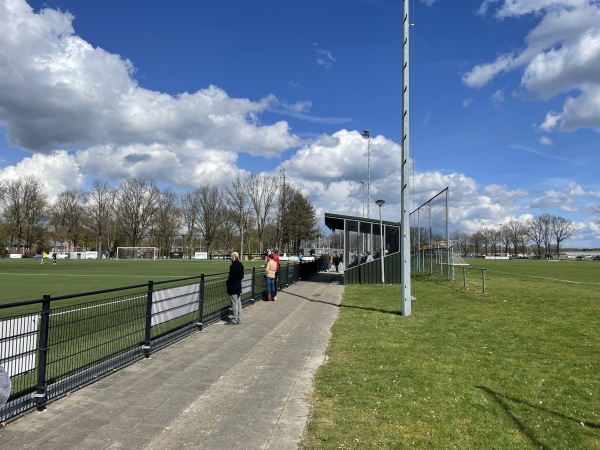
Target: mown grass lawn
[516, 368]
[27, 279]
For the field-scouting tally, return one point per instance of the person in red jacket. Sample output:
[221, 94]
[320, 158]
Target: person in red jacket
[276, 258]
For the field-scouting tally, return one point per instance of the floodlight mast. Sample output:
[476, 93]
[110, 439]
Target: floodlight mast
[367, 134]
[405, 216]
[380, 203]
[363, 197]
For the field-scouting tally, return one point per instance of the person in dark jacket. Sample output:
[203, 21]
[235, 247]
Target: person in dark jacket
[234, 288]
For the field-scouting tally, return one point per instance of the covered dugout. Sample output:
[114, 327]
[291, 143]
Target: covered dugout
[362, 235]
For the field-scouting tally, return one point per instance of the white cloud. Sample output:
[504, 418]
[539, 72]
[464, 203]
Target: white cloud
[324, 57]
[561, 55]
[498, 97]
[545, 140]
[58, 92]
[58, 172]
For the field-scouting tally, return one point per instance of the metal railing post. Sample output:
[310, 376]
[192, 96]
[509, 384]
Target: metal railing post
[40, 392]
[253, 284]
[147, 347]
[200, 323]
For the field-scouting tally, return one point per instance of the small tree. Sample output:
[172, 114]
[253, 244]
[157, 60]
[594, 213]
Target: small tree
[562, 229]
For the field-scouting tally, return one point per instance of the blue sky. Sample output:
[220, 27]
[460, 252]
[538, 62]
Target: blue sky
[505, 100]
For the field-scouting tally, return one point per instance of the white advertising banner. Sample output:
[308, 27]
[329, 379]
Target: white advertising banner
[18, 339]
[247, 283]
[168, 304]
[200, 255]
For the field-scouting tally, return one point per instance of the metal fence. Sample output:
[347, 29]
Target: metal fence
[54, 345]
[431, 250]
[370, 273]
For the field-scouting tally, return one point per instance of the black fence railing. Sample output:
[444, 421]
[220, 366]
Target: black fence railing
[55, 345]
[370, 273]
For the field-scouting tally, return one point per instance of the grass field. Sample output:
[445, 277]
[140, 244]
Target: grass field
[27, 279]
[516, 368]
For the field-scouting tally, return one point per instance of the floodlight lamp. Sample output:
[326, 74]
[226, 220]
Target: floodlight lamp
[366, 133]
[380, 202]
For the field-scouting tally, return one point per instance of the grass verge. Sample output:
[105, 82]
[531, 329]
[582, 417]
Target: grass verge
[515, 368]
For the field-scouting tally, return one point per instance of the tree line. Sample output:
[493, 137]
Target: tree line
[544, 233]
[250, 212]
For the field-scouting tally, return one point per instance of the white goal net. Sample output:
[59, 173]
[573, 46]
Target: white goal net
[145, 253]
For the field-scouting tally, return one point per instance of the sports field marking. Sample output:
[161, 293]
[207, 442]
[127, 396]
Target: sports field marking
[547, 278]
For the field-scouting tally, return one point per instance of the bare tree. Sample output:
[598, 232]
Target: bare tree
[538, 231]
[238, 202]
[262, 190]
[516, 232]
[562, 229]
[460, 240]
[490, 238]
[188, 206]
[135, 208]
[168, 220]
[25, 211]
[68, 215]
[211, 210]
[477, 242]
[100, 214]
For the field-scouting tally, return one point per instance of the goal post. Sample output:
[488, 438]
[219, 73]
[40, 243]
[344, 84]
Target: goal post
[140, 253]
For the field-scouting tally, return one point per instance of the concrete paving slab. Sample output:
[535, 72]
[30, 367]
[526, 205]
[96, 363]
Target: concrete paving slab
[226, 387]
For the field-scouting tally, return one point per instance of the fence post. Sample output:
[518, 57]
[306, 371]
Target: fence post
[464, 277]
[40, 392]
[147, 347]
[200, 323]
[252, 285]
[483, 278]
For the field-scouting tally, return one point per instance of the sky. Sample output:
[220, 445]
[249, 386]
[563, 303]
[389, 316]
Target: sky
[504, 101]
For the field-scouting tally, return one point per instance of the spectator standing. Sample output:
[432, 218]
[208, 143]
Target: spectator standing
[276, 259]
[336, 261]
[234, 288]
[270, 270]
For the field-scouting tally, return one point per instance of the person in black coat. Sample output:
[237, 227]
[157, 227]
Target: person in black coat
[234, 288]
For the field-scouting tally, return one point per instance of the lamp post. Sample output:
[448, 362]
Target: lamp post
[363, 196]
[367, 134]
[380, 204]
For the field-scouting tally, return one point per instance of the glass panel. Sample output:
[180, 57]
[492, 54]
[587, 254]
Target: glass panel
[392, 239]
[366, 237]
[376, 241]
[352, 243]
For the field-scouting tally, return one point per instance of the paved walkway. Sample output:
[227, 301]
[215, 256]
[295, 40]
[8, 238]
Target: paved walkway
[226, 387]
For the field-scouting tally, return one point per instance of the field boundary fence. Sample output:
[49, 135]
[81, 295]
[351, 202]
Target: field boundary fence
[431, 251]
[55, 345]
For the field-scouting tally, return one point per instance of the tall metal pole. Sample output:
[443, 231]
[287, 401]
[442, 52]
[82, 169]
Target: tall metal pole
[280, 220]
[381, 241]
[363, 197]
[405, 217]
[367, 134]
